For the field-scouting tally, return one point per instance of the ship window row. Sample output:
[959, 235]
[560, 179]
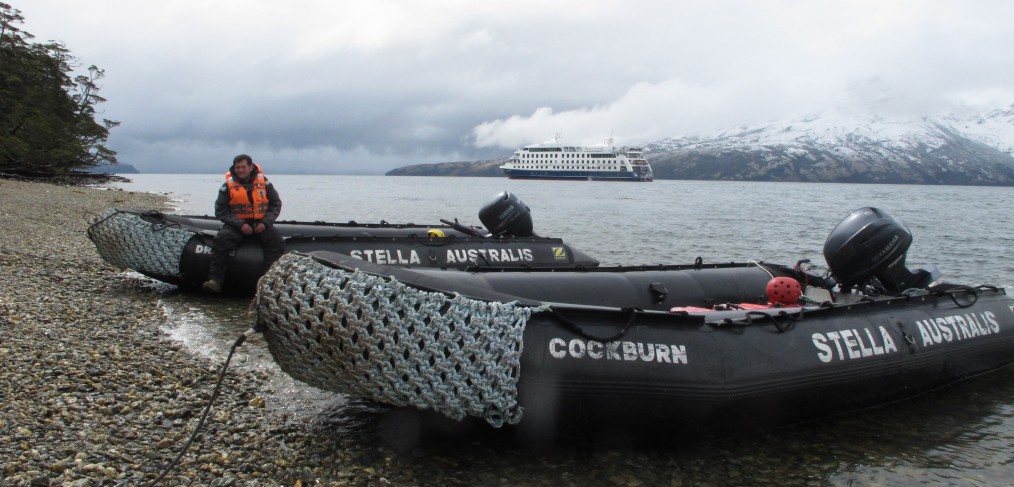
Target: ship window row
[569, 156]
[577, 164]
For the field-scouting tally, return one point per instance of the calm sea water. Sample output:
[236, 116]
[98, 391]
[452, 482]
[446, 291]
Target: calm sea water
[960, 436]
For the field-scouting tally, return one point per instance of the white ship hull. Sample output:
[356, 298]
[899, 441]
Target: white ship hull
[581, 163]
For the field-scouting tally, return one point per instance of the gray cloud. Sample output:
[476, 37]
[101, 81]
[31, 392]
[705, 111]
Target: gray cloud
[362, 87]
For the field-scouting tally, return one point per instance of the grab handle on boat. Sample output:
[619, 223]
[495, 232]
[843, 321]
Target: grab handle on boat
[782, 325]
[967, 291]
[583, 334]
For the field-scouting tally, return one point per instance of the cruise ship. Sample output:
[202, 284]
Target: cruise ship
[552, 160]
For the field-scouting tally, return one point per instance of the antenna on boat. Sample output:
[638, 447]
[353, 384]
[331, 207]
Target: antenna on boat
[558, 136]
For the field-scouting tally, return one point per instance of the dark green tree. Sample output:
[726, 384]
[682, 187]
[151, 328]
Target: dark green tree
[47, 118]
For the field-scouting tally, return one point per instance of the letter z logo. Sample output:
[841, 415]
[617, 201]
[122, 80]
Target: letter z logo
[559, 253]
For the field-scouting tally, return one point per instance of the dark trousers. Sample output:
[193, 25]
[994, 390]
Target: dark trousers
[230, 237]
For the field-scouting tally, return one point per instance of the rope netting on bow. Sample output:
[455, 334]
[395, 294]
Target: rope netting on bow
[375, 337]
[126, 240]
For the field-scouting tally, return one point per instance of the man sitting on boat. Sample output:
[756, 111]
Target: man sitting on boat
[248, 205]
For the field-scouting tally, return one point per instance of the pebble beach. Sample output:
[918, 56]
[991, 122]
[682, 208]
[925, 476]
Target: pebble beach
[93, 392]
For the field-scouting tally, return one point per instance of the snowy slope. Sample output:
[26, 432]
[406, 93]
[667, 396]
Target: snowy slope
[844, 147]
[994, 127]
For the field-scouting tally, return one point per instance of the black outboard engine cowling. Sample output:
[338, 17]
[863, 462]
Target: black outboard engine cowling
[869, 244]
[507, 216]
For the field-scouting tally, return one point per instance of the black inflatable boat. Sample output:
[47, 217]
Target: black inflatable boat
[723, 345]
[177, 249]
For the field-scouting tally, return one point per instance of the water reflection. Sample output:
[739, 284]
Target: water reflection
[956, 436]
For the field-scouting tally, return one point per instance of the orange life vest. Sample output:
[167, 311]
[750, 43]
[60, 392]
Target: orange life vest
[240, 200]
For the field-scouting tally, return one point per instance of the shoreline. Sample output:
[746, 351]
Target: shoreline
[96, 393]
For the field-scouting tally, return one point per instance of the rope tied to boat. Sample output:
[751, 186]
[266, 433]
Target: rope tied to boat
[127, 240]
[375, 337]
[963, 291]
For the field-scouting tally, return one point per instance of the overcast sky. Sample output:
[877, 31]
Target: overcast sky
[361, 87]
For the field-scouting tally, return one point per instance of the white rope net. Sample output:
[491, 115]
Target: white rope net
[128, 241]
[375, 337]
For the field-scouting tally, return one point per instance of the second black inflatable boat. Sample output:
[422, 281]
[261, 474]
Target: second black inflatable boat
[177, 248]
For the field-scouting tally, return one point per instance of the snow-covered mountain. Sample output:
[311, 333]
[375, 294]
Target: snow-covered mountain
[994, 127]
[976, 149]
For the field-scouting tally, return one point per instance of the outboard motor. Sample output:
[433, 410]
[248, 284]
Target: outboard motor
[507, 216]
[869, 244]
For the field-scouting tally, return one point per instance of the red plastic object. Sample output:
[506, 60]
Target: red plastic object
[783, 290]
